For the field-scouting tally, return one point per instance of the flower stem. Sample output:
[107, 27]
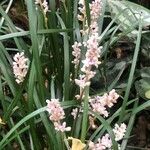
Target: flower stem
[85, 115]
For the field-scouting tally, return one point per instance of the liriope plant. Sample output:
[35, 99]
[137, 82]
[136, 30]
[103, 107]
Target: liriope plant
[48, 104]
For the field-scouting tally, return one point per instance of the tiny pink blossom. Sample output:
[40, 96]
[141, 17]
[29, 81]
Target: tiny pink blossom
[45, 6]
[101, 144]
[119, 131]
[61, 127]
[92, 44]
[99, 104]
[94, 27]
[96, 146]
[55, 110]
[108, 99]
[82, 82]
[56, 113]
[20, 67]
[98, 107]
[95, 8]
[74, 113]
[93, 52]
[106, 141]
[76, 53]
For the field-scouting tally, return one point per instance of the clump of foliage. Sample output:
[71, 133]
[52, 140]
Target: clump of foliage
[81, 59]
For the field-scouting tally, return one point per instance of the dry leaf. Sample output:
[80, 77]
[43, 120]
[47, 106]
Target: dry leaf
[76, 144]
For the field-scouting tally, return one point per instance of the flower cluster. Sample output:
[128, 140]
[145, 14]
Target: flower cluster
[98, 104]
[105, 142]
[74, 113]
[95, 9]
[44, 5]
[92, 45]
[101, 144]
[20, 67]
[56, 113]
[76, 53]
[119, 131]
[92, 54]
[91, 60]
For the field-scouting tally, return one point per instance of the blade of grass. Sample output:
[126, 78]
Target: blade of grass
[6, 70]
[129, 127]
[7, 9]
[33, 135]
[17, 135]
[131, 75]
[35, 47]
[15, 34]
[66, 61]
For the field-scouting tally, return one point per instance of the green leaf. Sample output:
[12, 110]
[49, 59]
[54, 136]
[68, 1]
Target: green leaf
[131, 15]
[143, 85]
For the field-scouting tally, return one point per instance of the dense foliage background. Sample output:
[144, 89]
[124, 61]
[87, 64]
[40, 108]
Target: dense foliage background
[46, 40]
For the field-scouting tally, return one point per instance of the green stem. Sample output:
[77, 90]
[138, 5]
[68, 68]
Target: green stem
[85, 115]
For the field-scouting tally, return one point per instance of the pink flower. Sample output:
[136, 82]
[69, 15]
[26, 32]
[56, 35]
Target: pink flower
[56, 113]
[97, 107]
[92, 55]
[20, 67]
[82, 82]
[112, 98]
[74, 113]
[98, 104]
[93, 52]
[109, 99]
[92, 44]
[61, 127]
[96, 146]
[101, 144]
[76, 53]
[106, 141]
[89, 74]
[45, 6]
[119, 131]
[95, 8]
[94, 27]
[55, 110]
